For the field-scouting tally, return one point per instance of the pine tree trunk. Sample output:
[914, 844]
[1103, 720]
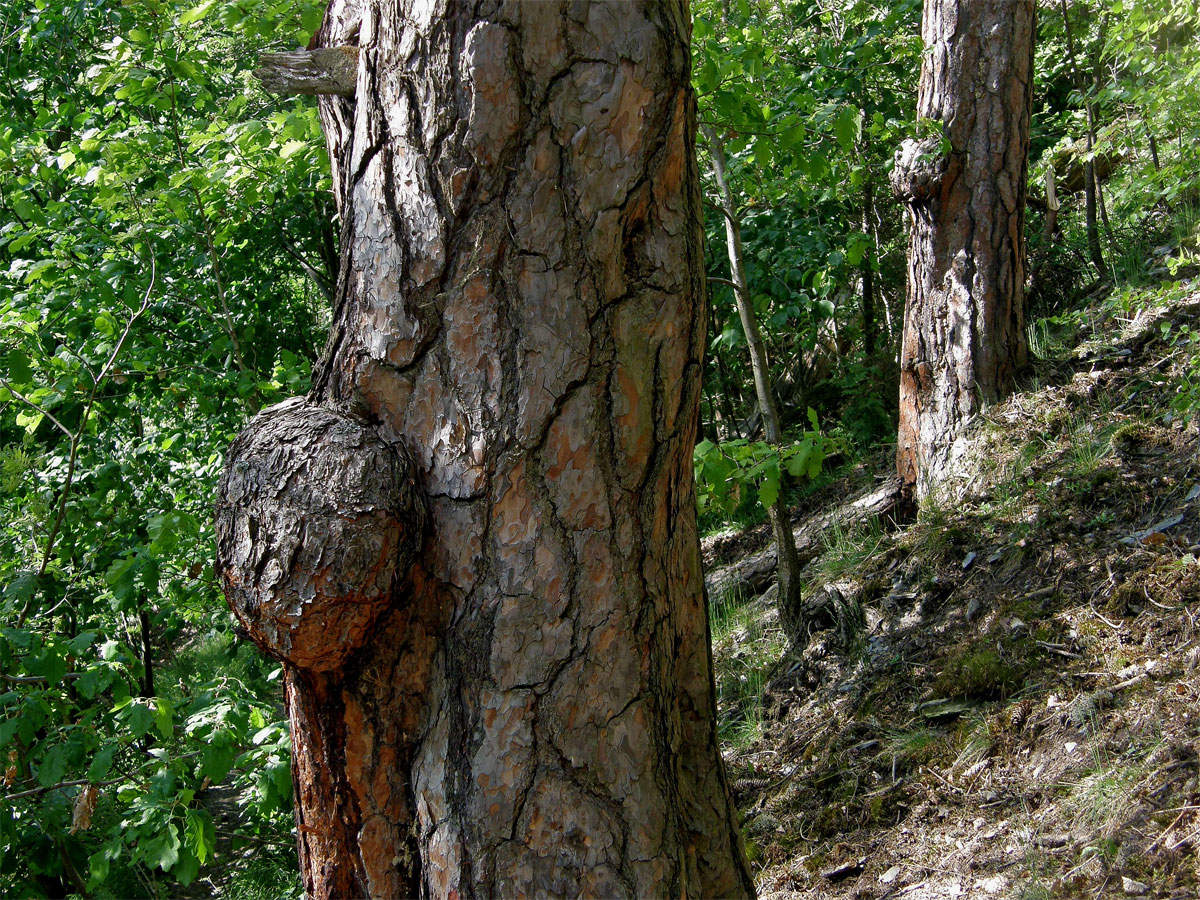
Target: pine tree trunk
[474, 545]
[964, 327]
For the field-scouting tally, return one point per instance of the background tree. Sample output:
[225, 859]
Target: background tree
[964, 184]
[530, 710]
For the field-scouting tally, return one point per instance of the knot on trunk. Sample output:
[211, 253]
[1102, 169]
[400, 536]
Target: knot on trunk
[318, 521]
[919, 168]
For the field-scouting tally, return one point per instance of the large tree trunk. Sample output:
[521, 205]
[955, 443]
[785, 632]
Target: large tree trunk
[964, 322]
[513, 374]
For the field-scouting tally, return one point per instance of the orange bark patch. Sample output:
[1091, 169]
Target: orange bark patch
[575, 482]
[631, 420]
[669, 180]
[629, 118]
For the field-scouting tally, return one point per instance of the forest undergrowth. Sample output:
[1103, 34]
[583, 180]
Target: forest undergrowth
[1002, 700]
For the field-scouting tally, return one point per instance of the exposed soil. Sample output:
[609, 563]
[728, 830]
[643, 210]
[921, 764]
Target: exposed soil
[1005, 703]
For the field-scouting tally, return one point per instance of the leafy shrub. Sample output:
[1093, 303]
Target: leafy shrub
[726, 471]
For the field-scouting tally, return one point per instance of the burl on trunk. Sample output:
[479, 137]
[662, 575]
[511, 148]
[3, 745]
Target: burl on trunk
[473, 546]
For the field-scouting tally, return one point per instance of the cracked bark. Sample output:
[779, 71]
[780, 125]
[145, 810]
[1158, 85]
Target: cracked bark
[529, 710]
[964, 321]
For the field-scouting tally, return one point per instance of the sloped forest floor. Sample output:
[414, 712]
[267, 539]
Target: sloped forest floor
[1001, 698]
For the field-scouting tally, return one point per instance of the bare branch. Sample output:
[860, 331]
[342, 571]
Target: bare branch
[59, 425]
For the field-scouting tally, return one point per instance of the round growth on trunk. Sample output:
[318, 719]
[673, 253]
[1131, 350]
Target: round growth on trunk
[919, 169]
[318, 520]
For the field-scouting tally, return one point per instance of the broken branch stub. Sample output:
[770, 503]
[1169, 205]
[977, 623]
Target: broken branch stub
[318, 521]
[329, 70]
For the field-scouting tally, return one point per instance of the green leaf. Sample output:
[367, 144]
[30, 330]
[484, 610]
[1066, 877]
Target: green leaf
[81, 642]
[98, 866]
[196, 13]
[291, 148]
[199, 835]
[768, 489]
[797, 461]
[139, 718]
[161, 851]
[763, 153]
[164, 720]
[814, 463]
[101, 763]
[281, 774]
[186, 868]
[19, 370]
[847, 127]
[51, 664]
[8, 728]
[93, 680]
[37, 271]
[19, 590]
[53, 766]
[216, 757]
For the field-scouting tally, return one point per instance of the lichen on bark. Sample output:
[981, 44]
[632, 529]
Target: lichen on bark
[918, 169]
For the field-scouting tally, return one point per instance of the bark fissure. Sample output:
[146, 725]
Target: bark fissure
[519, 310]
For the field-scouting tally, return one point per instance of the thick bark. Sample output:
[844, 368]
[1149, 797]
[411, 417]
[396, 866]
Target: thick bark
[530, 709]
[330, 70]
[788, 564]
[964, 326]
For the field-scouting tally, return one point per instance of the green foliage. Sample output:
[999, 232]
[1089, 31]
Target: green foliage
[1185, 343]
[810, 101]
[748, 655]
[724, 472]
[165, 255]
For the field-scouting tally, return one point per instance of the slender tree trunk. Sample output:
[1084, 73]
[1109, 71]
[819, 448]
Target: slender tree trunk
[789, 598]
[964, 324]
[1153, 143]
[1052, 207]
[1093, 115]
[474, 544]
[147, 651]
[728, 385]
[1089, 167]
[868, 270]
